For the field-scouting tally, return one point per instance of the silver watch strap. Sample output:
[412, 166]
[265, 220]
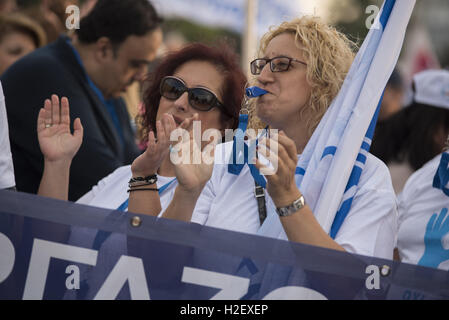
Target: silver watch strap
[292, 208]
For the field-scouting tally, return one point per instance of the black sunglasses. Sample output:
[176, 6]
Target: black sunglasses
[277, 64]
[201, 99]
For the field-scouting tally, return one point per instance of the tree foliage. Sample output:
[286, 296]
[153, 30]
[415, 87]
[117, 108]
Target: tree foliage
[193, 32]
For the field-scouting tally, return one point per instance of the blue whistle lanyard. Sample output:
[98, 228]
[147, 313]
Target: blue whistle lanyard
[125, 204]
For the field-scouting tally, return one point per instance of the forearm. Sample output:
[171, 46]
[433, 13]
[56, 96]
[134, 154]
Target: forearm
[396, 256]
[55, 180]
[304, 228]
[182, 205]
[302, 225]
[145, 201]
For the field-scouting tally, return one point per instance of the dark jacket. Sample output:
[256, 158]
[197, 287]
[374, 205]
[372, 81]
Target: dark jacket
[54, 70]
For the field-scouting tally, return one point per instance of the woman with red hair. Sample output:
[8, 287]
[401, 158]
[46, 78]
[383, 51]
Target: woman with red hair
[198, 82]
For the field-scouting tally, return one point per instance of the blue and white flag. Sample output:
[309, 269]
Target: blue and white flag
[334, 158]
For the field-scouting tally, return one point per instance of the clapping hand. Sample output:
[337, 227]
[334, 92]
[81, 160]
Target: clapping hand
[56, 141]
[158, 149]
[193, 166]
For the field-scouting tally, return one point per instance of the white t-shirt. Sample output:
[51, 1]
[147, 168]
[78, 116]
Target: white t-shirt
[418, 202]
[228, 202]
[111, 191]
[6, 166]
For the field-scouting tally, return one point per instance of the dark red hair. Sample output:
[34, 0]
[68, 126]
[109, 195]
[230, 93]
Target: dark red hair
[222, 57]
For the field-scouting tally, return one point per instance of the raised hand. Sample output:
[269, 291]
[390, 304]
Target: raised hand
[149, 162]
[281, 152]
[434, 252]
[58, 146]
[303, 227]
[193, 166]
[56, 141]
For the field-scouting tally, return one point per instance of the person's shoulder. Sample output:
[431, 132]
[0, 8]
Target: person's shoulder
[427, 171]
[44, 62]
[419, 198]
[39, 58]
[422, 179]
[374, 162]
[375, 174]
[376, 167]
[120, 173]
[116, 177]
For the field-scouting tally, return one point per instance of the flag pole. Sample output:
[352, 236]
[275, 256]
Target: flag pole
[249, 45]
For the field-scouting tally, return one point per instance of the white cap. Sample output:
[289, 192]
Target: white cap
[432, 88]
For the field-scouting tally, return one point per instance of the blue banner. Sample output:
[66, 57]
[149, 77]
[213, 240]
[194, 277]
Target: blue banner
[59, 250]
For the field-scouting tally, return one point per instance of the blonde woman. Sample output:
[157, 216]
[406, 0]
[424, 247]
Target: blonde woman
[302, 65]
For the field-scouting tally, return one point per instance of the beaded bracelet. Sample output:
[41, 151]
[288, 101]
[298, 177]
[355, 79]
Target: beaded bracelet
[140, 184]
[142, 181]
[143, 189]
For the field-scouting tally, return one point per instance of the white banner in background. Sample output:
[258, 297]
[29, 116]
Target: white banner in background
[230, 13]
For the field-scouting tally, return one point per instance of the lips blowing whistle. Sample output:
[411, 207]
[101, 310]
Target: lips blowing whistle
[254, 92]
[250, 93]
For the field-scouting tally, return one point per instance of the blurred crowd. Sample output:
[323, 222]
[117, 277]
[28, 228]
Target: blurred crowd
[26, 25]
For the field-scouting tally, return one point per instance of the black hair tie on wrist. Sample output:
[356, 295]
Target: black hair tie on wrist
[143, 189]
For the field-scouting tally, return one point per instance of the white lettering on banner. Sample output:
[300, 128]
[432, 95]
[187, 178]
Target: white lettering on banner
[73, 20]
[73, 281]
[131, 269]
[127, 269]
[373, 280]
[232, 287]
[294, 293]
[41, 254]
[7, 257]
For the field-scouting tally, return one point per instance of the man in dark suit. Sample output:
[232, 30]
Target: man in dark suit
[111, 50]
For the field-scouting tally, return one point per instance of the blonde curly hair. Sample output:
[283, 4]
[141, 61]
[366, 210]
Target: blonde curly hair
[328, 54]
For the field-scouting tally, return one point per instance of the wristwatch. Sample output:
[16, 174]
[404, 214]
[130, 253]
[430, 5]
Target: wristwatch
[142, 181]
[292, 208]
